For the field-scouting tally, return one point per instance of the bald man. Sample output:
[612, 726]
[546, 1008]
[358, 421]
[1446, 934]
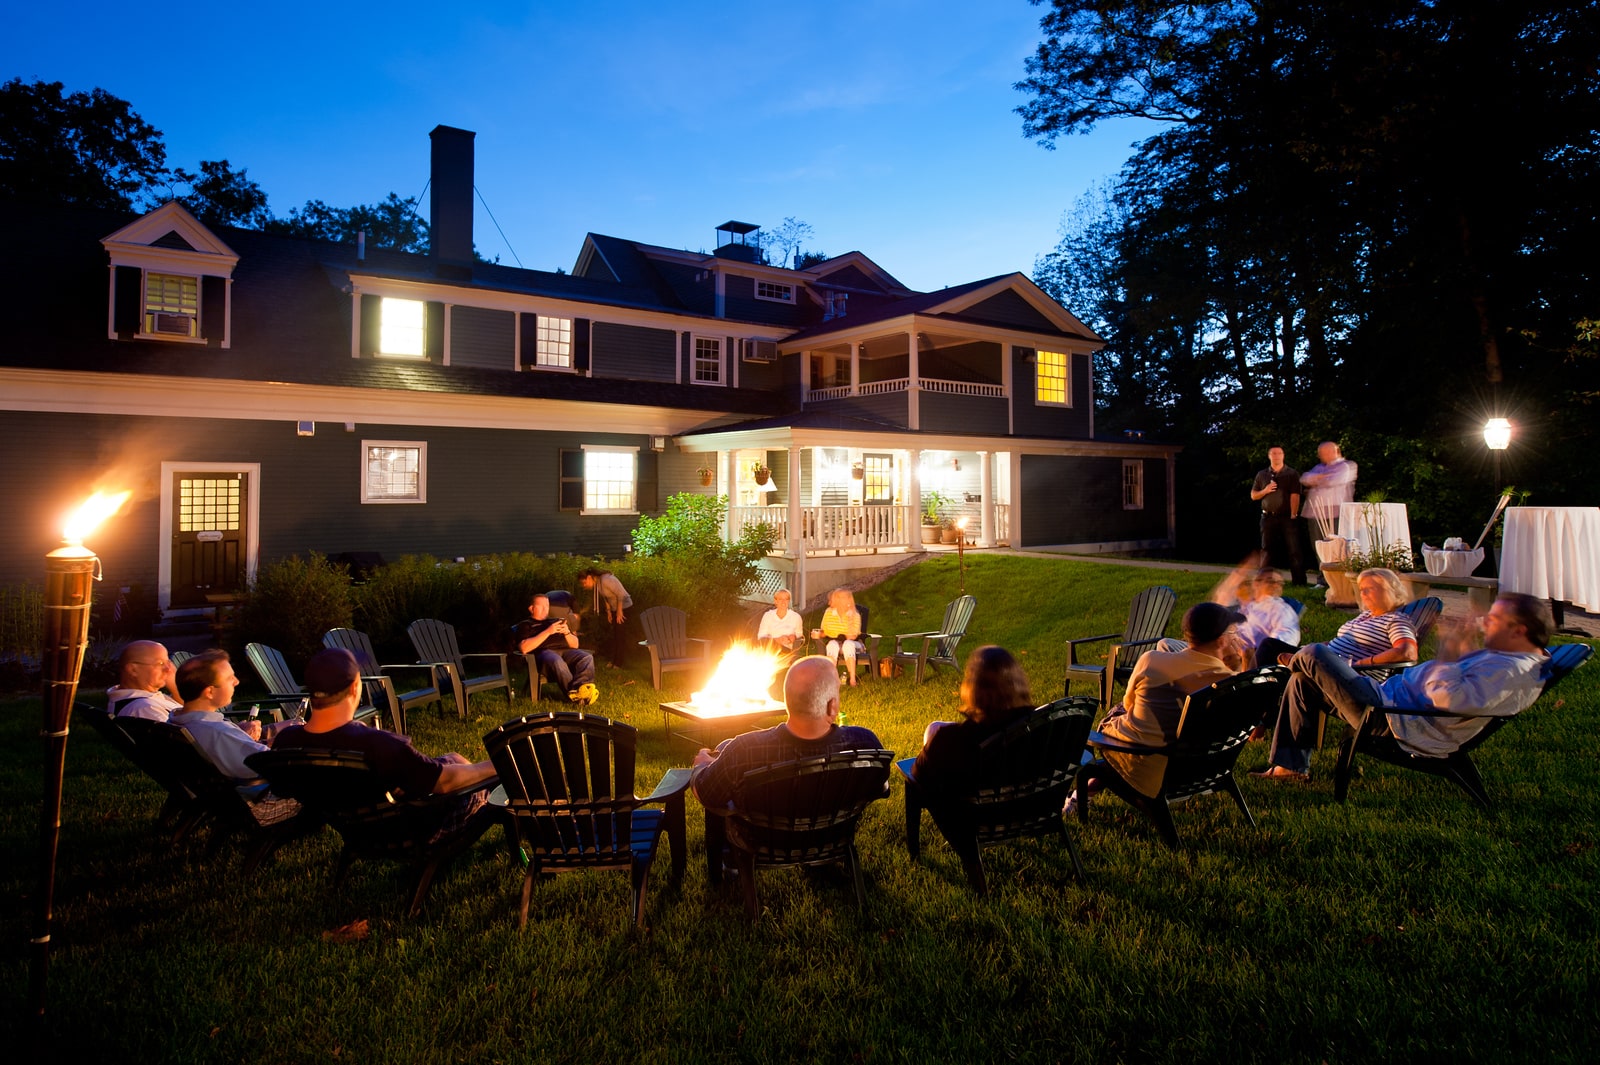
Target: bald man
[145, 683]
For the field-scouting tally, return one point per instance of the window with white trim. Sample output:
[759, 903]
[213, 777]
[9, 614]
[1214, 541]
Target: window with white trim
[772, 290]
[171, 305]
[403, 331]
[1132, 484]
[394, 471]
[707, 368]
[554, 342]
[1051, 379]
[598, 479]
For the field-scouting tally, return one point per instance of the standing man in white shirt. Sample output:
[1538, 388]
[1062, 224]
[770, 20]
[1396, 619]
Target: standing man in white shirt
[1333, 483]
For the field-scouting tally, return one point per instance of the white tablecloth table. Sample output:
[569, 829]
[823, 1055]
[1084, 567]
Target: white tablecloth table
[1441, 563]
[1364, 522]
[1553, 553]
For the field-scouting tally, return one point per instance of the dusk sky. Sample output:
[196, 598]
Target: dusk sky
[888, 125]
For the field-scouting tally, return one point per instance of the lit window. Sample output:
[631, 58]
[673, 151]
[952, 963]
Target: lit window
[554, 342]
[394, 471]
[1051, 378]
[402, 332]
[1132, 484]
[600, 480]
[771, 290]
[707, 361]
[171, 305]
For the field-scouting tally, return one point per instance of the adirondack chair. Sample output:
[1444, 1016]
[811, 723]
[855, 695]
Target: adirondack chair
[276, 676]
[936, 648]
[178, 658]
[360, 645]
[868, 659]
[182, 810]
[1213, 729]
[435, 642]
[1024, 775]
[567, 780]
[1458, 765]
[671, 647]
[1148, 615]
[804, 812]
[342, 788]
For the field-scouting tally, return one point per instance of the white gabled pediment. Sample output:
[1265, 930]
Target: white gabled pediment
[1019, 283]
[817, 272]
[147, 242]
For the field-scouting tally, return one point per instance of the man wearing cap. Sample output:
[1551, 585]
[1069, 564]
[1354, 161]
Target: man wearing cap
[551, 641]
[207, 683]
[1153, 702]
[145, 683]
[334, 682]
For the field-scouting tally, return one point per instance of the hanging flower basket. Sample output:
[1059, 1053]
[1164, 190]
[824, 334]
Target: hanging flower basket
[763, 474]
[858, 471]
[707, 475]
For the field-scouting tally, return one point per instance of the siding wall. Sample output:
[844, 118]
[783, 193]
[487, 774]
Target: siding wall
[483, 338]
[634, 352]
[1029, 419]
[1078, 500]
[890, 407]
[943, 412]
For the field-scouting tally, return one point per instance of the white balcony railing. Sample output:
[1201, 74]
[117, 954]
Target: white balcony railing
[836, 528]
[901, 384]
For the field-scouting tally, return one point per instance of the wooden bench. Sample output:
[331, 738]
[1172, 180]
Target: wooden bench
[1481, 591]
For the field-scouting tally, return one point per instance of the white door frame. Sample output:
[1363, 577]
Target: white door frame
[252, 529]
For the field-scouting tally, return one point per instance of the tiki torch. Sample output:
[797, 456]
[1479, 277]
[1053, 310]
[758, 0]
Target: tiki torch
[961, 552]
[68, 573]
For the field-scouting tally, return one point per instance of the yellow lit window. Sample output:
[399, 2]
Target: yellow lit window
[403, 332]
[1052, 378]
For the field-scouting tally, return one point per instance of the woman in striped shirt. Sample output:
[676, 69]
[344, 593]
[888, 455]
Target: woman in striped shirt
[1380, 634]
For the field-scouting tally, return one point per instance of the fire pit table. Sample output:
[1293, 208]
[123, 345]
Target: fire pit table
[718, 722]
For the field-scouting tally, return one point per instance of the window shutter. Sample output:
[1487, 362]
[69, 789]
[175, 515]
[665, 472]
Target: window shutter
[433, 322]
[580, 345]
[647, 488]
[214, 309]
[371, 323]
[126, 304]
[528, 325]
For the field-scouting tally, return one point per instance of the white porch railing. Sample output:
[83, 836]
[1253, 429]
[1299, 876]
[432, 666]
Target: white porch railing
[901, 384]
[1002, 523]
[962, 388]
[836, 528]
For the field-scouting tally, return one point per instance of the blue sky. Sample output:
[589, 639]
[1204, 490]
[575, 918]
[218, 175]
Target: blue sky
[887, 125]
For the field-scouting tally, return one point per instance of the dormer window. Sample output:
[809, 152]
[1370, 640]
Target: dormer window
[171, 305]
[772, 290]
[835, 308]
[554, 342]
[171, 280]
[403, 332]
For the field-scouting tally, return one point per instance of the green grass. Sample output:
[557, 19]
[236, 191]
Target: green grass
[1405, 925]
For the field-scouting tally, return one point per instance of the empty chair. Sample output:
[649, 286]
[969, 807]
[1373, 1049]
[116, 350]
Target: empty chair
[568, 785]
[1148, 616]
[275, 675]
[435, 643]
[1213, 730]
[360, 645]
[1024, 775]
[804, 812]
[939, 647]
[666, 637]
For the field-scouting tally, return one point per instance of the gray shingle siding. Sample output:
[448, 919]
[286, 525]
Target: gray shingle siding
[1009, 308]
[943, 412]
[480, 337]
[635, 352]
[1078, 500]
[1030, 419]
[890, 407]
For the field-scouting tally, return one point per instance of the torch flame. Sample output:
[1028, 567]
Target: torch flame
[740, 682]
[88, 517]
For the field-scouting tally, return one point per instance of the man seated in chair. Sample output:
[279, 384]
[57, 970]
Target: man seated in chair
[1499, 679]
[145, 683]
[334, 681]
[811, 697]
[207, 683]
[552, 642]
[781, 628]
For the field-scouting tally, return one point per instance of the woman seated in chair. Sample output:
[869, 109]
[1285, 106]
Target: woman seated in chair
[841, 624]
[994, 694]
[1380, 634]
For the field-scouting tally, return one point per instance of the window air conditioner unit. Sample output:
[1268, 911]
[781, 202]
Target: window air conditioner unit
[760, 350]
[172, 324]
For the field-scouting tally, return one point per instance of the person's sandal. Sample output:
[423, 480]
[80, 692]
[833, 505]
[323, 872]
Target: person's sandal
[1281, 774]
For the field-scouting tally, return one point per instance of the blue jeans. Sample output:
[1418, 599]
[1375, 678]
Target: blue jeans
[1319, 682]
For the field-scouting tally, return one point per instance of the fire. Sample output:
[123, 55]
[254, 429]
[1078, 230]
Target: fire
[740, 682]
[88, 517]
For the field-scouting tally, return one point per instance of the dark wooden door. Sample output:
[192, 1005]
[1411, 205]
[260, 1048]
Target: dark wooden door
[209, 525]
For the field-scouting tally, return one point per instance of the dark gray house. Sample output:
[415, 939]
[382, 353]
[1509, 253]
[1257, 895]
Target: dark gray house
[265, 396]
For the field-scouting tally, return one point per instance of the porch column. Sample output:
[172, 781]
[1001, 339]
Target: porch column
[855, 367]
[913, 385]
[986, 489]
[805, 376]
[796, 542]
[914, 493]
[731, 482]
[1016, 499]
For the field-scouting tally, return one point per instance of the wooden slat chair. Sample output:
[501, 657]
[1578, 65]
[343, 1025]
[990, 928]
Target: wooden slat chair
[567, 783]
[275, 674]
[1213, 729]
[1024, 775]
[936, 648]
[178, 658]
[666, 637]
[1458, 765]
[182, 810]
[379, 677]
[804, 812]
[1148, 616]
[373, 822]
[868, 640]
[435, 643]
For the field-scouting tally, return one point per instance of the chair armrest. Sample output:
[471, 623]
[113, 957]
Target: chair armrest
[705, 645]
[674, 782]
[1072, 645]
[1115, 650]
[906, 765]
[1100, 739]
[412, 666]
[923, 636]
[487, 654]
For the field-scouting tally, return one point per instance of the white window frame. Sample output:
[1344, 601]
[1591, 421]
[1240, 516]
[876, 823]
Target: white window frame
[388, 334]
[633, 493]
[1065, 379]
[147, 329]
[552, 342]
[420, 446]
[782, 293]
[695, 340]
[1132, 484]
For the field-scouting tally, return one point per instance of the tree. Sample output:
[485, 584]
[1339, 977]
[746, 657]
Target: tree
[219, 196]
[393, 223]
[785, 240]
[89, 149]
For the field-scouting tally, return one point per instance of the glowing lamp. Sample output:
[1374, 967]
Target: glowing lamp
[1497, 434]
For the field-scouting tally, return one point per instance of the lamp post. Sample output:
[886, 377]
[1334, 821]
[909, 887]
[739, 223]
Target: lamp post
[1497, 437]
[69, 571]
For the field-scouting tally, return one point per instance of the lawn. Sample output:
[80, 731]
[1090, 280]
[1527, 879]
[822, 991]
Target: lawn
[1405, 925]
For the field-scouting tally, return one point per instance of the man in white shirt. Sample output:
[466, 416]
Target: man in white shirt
[780, 626]
[207, 683]
[1333, 483]
[144, 685]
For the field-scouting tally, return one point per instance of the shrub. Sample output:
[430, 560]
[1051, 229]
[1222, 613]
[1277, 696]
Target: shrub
[291, 604]
[689, 536]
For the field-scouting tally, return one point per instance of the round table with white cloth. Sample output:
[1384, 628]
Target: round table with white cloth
[1553, 553]
[1384, 522]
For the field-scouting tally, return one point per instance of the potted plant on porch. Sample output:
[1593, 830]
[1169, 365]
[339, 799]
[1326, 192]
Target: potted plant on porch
[933, 504]
[707, 475]
[761, 472]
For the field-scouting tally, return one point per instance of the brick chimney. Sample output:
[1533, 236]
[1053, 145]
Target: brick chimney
[450, 210]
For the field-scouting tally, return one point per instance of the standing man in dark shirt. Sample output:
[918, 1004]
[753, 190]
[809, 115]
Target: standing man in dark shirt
[1277, 489]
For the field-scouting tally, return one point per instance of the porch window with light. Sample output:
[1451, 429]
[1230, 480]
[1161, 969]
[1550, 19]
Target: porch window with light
[403, 332]
[1132, 484]
[171, 305]
[554, 340]
[394, 471]
[707, 361]
[1051, 379]
[600, 480]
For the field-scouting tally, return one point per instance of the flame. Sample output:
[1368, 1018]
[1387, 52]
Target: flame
[95, 510]
[740, 682]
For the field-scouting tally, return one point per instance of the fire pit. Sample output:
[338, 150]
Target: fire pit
[734, 700]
